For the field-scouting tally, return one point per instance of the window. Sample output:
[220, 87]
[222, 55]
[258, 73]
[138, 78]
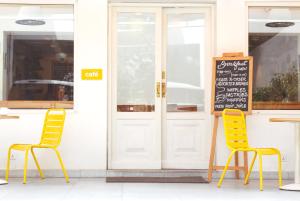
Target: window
[274, 42]
[38, 56]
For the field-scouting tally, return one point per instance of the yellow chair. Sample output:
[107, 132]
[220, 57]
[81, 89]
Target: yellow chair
[51, 138]
[237, 140]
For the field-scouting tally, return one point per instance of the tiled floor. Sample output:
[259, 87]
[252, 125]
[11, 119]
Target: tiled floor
[97, 190]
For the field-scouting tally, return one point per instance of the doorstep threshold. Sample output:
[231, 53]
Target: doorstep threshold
[156, 173]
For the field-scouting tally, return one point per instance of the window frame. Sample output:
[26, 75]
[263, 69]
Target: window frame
[40, 104]
[268, 107]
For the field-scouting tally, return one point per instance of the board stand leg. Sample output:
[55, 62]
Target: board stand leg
[213, 148]
[236, 164]
[213, 167]
[245, 164]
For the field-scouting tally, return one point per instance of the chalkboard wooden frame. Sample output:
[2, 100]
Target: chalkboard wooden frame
[232, 57]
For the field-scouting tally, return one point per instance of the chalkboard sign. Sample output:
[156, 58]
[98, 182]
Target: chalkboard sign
[232, 83]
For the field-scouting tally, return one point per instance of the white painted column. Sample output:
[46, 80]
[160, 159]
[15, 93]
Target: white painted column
[231, 26]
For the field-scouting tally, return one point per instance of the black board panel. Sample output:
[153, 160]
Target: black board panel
[232, 84]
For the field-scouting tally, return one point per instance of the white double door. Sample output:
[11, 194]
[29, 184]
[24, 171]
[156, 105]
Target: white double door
[160, 84]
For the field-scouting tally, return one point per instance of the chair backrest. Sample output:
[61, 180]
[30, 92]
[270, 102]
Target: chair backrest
[53, 127]
[235, 128]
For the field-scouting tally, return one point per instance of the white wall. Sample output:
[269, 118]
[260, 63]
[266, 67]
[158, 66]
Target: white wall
[84, 140]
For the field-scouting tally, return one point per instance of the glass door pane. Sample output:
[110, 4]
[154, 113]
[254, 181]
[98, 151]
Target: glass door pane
[185, 62]
[135, 62]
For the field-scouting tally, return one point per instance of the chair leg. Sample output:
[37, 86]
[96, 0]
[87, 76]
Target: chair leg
[250, 169]
[8, 164]
[25, 166]
[225, 169]
[62, 166]
[37, 164]
[279, 170]
[260, 173]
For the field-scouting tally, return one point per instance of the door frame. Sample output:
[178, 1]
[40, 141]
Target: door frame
[210, 52]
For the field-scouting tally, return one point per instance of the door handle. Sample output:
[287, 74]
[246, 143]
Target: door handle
[158, 89]
[164, 89]
[163, 84]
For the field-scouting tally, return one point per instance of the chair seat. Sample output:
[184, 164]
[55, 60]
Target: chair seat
[267, 151]
[261, 151]
[23, 147]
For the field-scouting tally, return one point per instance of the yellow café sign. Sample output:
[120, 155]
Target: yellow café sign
[91, 74]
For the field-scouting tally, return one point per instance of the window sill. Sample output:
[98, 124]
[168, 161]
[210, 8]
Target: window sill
[37, 104]
[276, 112]
[276, 108]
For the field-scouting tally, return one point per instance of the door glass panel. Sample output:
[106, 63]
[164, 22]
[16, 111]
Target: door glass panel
[136, 62]
[185, 62]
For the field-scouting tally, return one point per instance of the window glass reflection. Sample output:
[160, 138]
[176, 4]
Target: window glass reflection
[185, 63]
[136, 62]
[274, 35]
[38, 47]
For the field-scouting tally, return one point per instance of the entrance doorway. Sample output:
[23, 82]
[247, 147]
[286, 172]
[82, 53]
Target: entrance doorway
[159, 90]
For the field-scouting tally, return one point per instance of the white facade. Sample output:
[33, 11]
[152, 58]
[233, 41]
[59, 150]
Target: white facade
[85, 140]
